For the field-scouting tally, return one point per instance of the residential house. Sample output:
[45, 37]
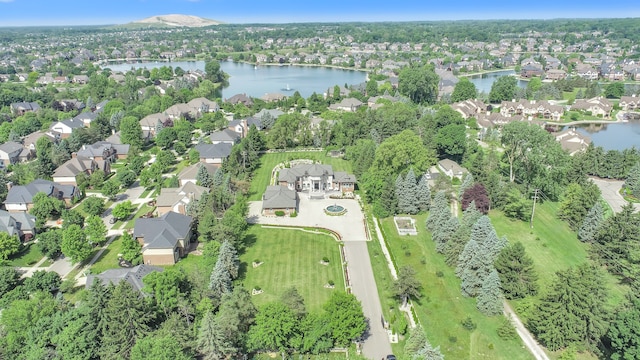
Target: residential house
[630, 103]
[86, 117]
[214, 153]
[541, 109]
[597, 106]
[20, 224]
[203, 105]
[531, 70]
[134, 276]
[572, 141]
[20, 197]
[224, 136]
[240, 99]
[188, 174]
[490, 120]
[66, 173]
[68, 105]
[587, 72]
[348, 104]
[104, 151]
[80, 79]
[316, 177]
[275, 113]
[377, 101]
[242, 126]
[29, 141]
[10, 153]
[279, 198]
[469, 108]
[20, 108]
[149, 123]
[272, 97]
[164, 239]
[451, 168]
[555, 74]
[177, 199]
[179, 111]
[63, 129]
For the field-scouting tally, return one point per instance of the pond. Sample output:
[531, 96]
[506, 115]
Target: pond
[618, 136]
[257, 81]
[484, 81]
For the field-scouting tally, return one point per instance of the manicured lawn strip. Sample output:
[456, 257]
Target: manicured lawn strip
[552, 246]
[291, 258]
[145, 193]
[144, 208]
[29, 257]
[179, 166]
[109, 258]
[269, 161]
[442, 307]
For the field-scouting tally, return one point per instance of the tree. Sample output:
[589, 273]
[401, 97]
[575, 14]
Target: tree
[220, 280]
[95, 229]
[9, 279]
[166, 137]
[9, 245]
[533, 86]
[477, 194]
[316, 334]
[126, 177]
[203, 178]
[576, 203]
[490, 299]
[472, 268]
[212, 343]
[160, 348]
[75, 245]
[45, 167]
[122, 210]
[410, 193]
[428, 352]
[194, 156]
[165, 159]
[45, 207]
[49, 243]
[419, 83]
[93, 205]
[131, 249]
[632, 182]
[503, 89]
[42, 280]
[573, 312]
[372, 88]
[167, 288]
[624, 331]
[235, 317]
[110, 189]
[423, 194]
[451, 141]
[346, 318]
[464, 90]
[72, 217]
[407, 286]
[439, 212]
[467, 182]
[96, 179]
[591, 223]
[294, 301]
[276, 326]
[614, 90]
[213, 72]
[416, 341]
[517, 274]
[130, 131]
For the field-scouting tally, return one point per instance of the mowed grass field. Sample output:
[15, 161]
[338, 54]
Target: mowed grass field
[442, 308]
[269, 161]
[291, 258]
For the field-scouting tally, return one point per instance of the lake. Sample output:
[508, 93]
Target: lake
[483, 82]
[618, 136]
[257, 81]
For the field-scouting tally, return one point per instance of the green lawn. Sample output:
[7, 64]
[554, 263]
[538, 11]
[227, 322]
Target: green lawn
[291, 258]
[144, 208]
[442, 308]
[28, 257]
[551, 244]
[269, 161]
[109, 258]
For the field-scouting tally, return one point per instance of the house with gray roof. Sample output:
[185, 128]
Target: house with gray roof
[348, 104]
[132, 275]
[20, 224]
[67, 172]
[451, 168]
[316, 177]
[62, 129]
[279, 198]
[164, 239]
[20, 108]
[20, 197]
[177, 199]
[203, 105]
[214, 153]
[86, 117]
[224, 136]
[275, 113]
[149, 123]
[104, 151]
[189, 174]
[29, 141]
[10, 153]
[240, 99]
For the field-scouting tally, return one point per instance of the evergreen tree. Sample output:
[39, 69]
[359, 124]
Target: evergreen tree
[407, 285]
[467, 182]
[203, 178]
[211, 340]
[633, 180]
[517, 274]
[218, 177]
[400, 192]
[423, 194]
[229, 258]
[624, 331]
[410, 193]
[453, 248]
[473, 268]
[428, 352]
[442, 235]
[591, 223]
[159, 127]
[220, 280]
[490, 299]
[439, 211]
[415, 342]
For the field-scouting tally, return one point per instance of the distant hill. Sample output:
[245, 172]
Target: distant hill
[172, 20]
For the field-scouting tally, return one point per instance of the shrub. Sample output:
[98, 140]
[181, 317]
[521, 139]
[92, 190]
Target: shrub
[325, 259]
[330, 282]
[506, 330]
[279, 213]
[469, 324]
[293, 214]
[257, 261]
[439, 274]
[257, 288]
[401, 325]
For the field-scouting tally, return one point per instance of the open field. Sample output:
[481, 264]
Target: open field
[291, 258]
[270, 160]
[442, 308]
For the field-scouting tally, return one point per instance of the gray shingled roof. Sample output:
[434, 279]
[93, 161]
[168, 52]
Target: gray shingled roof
[164, 231]
[225, 135]
[73, 167]
[214, 151]
[190, 172]
[290, 175]
[15, 222]
[132, 275]
[23, 194]
[10, 147]
[279, 197]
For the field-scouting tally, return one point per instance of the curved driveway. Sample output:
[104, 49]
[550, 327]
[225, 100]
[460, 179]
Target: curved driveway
[351, 228]
[610, 190]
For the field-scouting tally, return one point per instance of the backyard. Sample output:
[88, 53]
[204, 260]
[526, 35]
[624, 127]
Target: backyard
[291, 257]
[270, 160]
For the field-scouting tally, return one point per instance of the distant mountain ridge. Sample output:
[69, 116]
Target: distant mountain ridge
[174, 20]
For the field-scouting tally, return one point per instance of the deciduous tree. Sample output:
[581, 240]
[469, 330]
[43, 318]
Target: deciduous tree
[407, 285]
[464, 90]
[419, 83]
[75, 245]
[9, 245]
[95, 229]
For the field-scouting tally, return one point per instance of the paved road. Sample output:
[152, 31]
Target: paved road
[351, 228]
[524, 334]
[610, 193]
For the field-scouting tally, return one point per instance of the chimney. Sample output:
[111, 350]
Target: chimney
[74, 155]
[9, 185]
[84, 147]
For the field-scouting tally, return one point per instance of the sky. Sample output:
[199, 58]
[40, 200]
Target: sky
[102, 12]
